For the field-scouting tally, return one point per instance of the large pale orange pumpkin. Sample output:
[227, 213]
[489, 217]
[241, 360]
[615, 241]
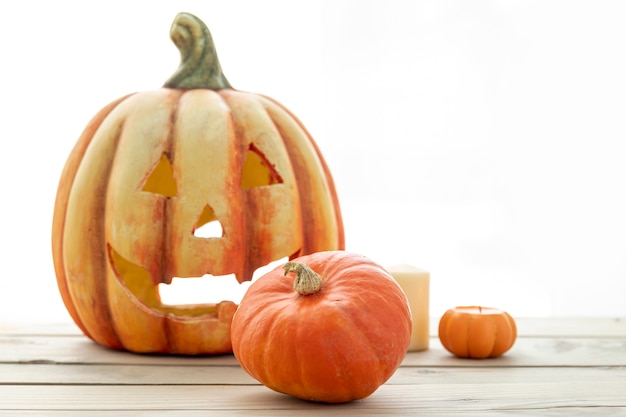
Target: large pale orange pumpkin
[334, 333]
[150, 169]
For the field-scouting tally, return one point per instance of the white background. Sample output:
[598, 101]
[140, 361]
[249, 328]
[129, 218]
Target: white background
[482, 141]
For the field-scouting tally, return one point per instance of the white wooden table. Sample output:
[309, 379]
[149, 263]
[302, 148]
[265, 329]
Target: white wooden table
[558, 367]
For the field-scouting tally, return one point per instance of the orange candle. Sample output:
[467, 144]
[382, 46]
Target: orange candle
[477, 332]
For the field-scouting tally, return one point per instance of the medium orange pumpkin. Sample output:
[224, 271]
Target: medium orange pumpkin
[334, 335]
[150, 170]
[477, 332]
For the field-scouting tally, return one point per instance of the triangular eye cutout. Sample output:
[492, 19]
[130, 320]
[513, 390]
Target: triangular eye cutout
[161, 179]
[207, 225]
[257, 170]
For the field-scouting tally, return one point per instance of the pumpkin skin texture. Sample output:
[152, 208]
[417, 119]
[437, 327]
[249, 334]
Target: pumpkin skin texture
[334, 345]
[477, 332]
[150, 169]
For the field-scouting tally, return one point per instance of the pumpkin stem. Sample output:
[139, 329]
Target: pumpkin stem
[199, 66]
[307, 281]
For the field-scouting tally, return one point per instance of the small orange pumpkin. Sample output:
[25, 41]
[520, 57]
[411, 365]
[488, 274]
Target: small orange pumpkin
[333, 335]
[477, 332]
[150, 170]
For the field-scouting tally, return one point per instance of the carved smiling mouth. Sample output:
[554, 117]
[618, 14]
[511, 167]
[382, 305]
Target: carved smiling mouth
[140, 284]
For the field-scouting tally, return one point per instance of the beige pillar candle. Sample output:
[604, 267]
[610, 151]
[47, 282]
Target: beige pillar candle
[416, 285]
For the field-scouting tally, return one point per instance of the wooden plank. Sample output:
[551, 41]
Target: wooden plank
[525, 352]
[76, 374]
[12, 374]
[475, 375]
[571, 327]
[534, 352]
[394, 400]
[79, 349]
[38, 329]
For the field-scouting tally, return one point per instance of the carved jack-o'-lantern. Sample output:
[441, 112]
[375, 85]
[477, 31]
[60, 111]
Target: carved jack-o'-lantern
[150, 169]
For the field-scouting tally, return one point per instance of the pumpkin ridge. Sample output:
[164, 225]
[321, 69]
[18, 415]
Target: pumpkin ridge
[304, 187]
[101, 292]
[359, 324]
[166, 235]
[378, 368]
[103, 222]
[327, 173]
[494, 324]
[66, 181]
[166, 275]
[302, 362]
[268, 358]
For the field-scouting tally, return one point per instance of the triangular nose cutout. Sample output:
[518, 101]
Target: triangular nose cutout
[161, 179]
[207, 225]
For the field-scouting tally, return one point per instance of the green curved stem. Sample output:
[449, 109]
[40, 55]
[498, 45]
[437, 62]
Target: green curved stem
[199, 66]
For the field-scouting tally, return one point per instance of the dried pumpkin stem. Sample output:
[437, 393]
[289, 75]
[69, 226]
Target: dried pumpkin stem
[199, 66]
[307, 281]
